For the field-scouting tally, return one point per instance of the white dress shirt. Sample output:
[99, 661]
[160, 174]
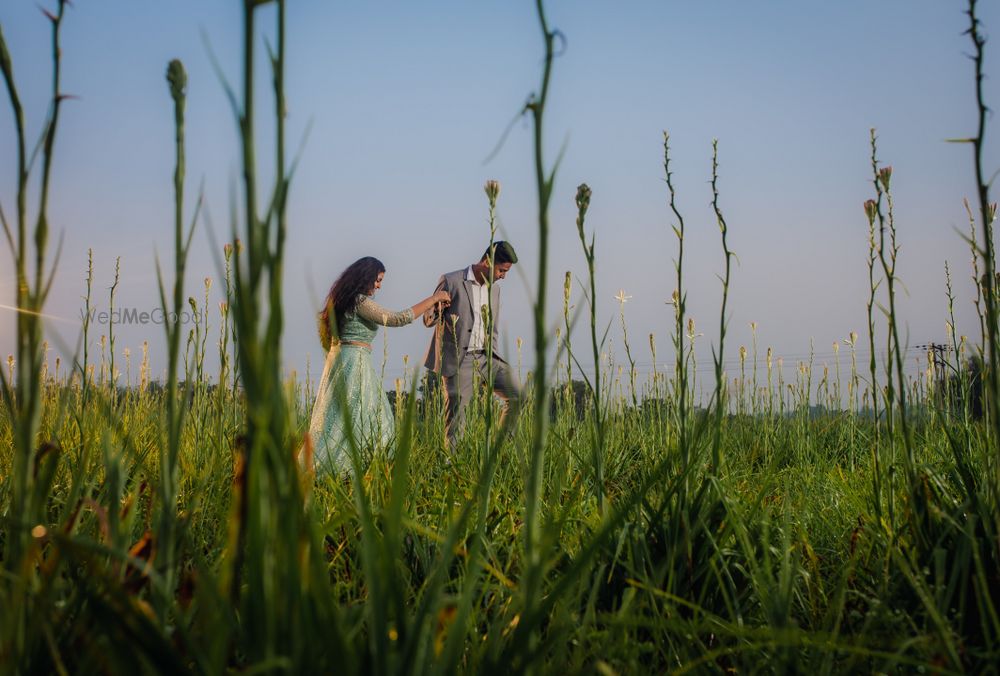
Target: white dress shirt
[480, 298]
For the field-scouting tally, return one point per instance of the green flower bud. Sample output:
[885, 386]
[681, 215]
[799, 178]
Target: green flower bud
[177, 78]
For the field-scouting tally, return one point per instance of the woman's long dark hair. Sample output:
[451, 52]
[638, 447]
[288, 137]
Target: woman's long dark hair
[356, 280]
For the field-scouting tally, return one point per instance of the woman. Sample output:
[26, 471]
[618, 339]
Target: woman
[349, 389]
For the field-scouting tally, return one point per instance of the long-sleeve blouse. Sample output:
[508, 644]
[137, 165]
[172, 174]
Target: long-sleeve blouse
[361, 324]
[371, 311]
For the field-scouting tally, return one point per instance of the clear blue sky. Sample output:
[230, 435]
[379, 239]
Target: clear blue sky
[407, 100]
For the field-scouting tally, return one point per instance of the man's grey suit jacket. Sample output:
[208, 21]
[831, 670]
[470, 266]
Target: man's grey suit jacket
[451, 335]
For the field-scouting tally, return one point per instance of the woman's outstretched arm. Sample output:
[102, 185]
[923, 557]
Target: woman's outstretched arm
[370, 310]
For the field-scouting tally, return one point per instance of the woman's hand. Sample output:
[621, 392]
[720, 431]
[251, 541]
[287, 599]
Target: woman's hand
[432, 306]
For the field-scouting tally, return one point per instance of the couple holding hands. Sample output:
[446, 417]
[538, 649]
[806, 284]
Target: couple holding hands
[350, 397]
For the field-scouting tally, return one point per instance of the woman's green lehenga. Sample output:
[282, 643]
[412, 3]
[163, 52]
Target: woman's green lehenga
[350, 389]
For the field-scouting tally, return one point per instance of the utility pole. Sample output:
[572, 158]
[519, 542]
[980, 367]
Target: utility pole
[939, 361]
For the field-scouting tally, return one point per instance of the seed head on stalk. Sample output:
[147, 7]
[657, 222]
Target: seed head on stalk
[492, 188]
[871, 211]
[583, 193]
[884, 174]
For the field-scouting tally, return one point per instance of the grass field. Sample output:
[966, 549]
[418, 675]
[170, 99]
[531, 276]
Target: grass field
[823, 525]
[781, 558]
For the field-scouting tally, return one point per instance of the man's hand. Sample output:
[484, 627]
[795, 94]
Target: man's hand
[435, 314]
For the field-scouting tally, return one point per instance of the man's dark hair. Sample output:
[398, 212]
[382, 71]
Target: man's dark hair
[503, 252]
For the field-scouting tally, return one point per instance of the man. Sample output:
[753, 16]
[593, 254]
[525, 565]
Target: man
[461, 345]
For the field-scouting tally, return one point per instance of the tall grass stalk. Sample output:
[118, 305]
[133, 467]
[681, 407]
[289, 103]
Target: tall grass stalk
[534, 488]
[33, 469]
[598, 445]
[169, 480]
[622, 299]
[895, 386]
[566, 343]
[679, 298]
[85, 347]
[721, 397]
[987, 214]
[977, 280]
[953, 407]
[271, 530]
[874, 282]
[22, 395]
[111, 333]
[492, 190]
